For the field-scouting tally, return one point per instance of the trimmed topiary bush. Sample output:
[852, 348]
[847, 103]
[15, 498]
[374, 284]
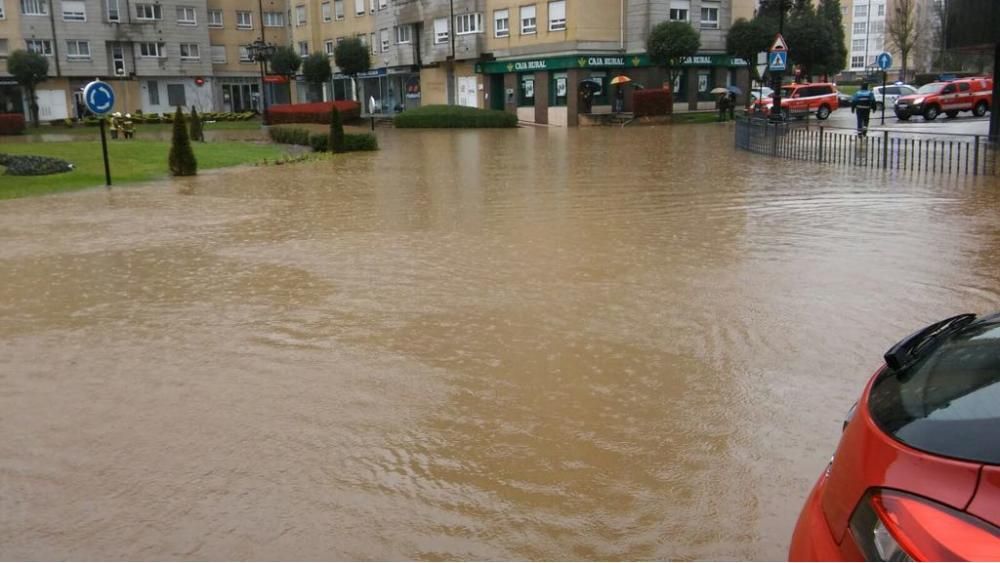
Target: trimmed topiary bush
[28, 165]
[319, 143]
[11, 124]
[336, 131]
[454, 117]
[652, 101]
[181, 159]
[360, 142]
[195, 127]
[289, 135]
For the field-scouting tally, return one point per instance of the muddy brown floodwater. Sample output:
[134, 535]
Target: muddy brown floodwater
[530, 344]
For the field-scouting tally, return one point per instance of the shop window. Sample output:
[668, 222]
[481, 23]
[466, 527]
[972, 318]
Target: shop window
[558, 89]
[526, 90]
[600, 96]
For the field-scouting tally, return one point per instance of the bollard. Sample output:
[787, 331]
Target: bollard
[885, 149]
[373, 122]
[975, 158]
[820, 143]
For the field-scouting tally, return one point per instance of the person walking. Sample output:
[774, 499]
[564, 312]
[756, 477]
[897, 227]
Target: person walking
[862, 104]
[723, 105]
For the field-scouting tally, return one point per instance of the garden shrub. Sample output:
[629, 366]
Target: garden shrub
[336, 131]
[318, 112]
[195, 126]
[319, 142]
[11, 124]
[652, 101]
[289, 135]
[29, 165]
[360, 142]
[181, 159]
[454, 117]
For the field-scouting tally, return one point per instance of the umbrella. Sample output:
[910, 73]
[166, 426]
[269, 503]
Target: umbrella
[719, 91]
[621, 79]
[590, 85]
[736, 90]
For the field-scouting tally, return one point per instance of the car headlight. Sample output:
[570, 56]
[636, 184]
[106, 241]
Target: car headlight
[918, 101]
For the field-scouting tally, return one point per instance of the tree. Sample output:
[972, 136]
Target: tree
[810, 40]
[195, 126]
[902, 31]
[336, 143]
[285, 61]
[670, 43]
[181, 159]
[351, 57]
[829, 11]
[29, 69]
[744, 40]
[316, 69]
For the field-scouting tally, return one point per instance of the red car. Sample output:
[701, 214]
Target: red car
[916, 476]
[950, 98]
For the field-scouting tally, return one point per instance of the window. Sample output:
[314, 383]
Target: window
[710, 16]
[326, 11]
[557, 15]
[441, 30]
[526, 93]
[304, 48]
[34, 7]
[300, 16]
[175, 95]
[679, 14]
[219, 54]
[328, 46]
[76, 49]
[3, 15]
[40, 46]
[148, 12]
[468, 23]
[153, 87]
[274, 19]
[113, 13]
[858, 45]
[152, 49]
[245, 55]
[404, 34]
[501, 23]
[384, 37]
[878, 27]
[881, 10]
[215, 18]
[190, 52]
[74, 11]
[373, 44]
[338, 9]
[244, 20]
[359, 7]
[860, 10]
[860, 27]
[186, 16]
[963, 86]
[529, 24]
[858, 61]
[3, 48]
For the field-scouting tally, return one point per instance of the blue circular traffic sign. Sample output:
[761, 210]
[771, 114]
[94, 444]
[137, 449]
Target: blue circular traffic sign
[884, 60]
[99, 97]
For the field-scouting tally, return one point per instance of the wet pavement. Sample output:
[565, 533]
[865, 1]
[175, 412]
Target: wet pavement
[520, 344]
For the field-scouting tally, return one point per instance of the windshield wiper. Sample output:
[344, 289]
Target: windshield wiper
[910, 349]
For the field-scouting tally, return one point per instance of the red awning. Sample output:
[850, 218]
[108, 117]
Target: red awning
[276, 79]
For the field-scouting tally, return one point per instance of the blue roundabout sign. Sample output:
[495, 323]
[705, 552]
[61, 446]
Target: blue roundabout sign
[99, 97]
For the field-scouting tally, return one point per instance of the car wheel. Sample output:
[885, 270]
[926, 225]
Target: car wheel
[980, 109]
[902, 117]
[951, 114]
[931, 113]
[823, 113]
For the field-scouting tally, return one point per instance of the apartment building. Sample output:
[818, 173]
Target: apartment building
[10, 38]
[232, 25]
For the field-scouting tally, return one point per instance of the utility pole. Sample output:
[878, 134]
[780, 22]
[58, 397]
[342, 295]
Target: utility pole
[450, 89]
[776, 76]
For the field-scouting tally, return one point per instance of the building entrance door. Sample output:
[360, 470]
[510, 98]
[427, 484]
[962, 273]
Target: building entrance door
[467, 91]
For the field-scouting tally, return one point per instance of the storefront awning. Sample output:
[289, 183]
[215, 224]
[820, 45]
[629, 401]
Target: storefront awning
[589, 61]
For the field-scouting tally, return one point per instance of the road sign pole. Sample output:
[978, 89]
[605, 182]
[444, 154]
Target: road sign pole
[883, 96]
[104, 150]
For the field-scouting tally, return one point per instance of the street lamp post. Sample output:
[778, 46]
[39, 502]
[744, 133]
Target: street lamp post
[777, 76]
[261, 52]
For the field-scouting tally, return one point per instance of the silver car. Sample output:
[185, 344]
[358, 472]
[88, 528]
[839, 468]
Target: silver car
[892, 93]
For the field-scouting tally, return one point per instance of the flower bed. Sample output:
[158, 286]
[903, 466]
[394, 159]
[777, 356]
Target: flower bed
[318, 112]
[29, 165]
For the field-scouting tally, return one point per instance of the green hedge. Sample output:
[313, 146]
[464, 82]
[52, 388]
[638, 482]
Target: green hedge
[320, 142]
[454, 117]
[360, 142]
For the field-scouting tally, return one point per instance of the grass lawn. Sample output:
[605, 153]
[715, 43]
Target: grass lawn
[134, 161]
[142, 128]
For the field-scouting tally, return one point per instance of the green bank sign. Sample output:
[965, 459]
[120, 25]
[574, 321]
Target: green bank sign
[585, 61]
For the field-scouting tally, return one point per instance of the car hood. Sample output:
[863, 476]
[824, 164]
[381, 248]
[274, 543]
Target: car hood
[910, 98]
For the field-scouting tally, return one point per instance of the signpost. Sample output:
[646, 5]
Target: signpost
[884, 61]
[100, 98]
[777, 62]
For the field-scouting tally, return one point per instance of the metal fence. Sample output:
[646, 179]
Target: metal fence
[890, 150]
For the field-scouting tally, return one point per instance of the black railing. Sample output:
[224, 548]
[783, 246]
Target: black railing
[890, 150]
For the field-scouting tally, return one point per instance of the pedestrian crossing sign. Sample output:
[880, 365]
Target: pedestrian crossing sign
[778, 60]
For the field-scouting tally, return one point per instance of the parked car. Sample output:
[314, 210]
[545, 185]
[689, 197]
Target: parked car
[891, 94]
[916, 476]
[950, 98]
[760, 93]
[844, 100]
[799, 99]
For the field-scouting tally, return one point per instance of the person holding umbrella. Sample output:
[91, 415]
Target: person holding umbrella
[722, 103]
[620, 81]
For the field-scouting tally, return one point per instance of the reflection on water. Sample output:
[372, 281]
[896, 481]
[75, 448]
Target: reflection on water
[612, 344]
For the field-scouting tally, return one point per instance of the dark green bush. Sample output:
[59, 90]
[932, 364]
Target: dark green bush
[360, 142]
[181, 159]
[289, 136]
[454, 117]
[195, 127]
[319, 142]
[29, 165]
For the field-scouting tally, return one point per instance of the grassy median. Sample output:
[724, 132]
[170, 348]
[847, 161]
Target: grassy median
[131, 161]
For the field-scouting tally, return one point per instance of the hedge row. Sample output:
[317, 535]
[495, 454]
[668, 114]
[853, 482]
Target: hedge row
[150, 118]
[320, 142]
[652, 101]
[317, 112]
[11, 124]
[454, 117]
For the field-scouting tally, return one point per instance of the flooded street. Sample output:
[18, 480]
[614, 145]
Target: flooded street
[520, 344]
